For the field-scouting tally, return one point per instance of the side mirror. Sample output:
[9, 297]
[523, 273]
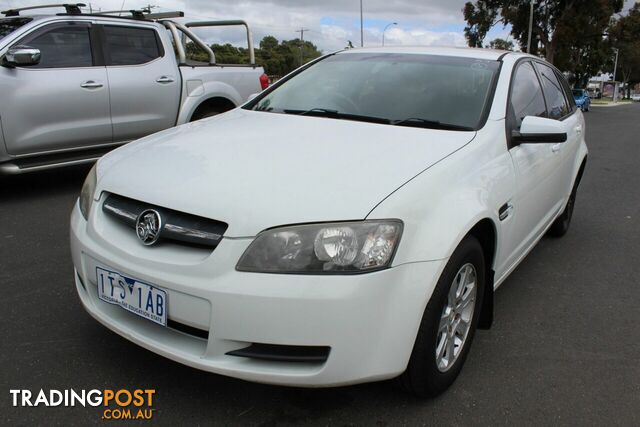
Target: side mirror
[539, 130]
[21, 56]
[252, 96]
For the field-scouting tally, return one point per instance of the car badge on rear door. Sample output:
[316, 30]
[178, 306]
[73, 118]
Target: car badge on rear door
[148, 226]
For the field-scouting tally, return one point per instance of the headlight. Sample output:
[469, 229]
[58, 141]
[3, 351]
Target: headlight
[86, 195]
[341, 247]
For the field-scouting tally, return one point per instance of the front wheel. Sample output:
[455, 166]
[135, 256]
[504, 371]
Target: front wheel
[448, 323]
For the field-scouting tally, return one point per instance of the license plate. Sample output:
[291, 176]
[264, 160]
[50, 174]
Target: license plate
[135, 296]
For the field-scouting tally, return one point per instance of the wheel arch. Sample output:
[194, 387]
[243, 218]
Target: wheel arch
[486, 233]
[204, 92]
[578, 176]
[215, 102]
[3, 148]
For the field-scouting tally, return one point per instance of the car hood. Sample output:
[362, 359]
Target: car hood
[255, 170]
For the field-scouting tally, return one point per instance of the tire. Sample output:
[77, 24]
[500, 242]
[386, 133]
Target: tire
[425, 374]
[561, 225]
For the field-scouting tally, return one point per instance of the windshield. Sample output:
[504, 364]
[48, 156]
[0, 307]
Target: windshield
[577, 92]
[7, 26]
[404, 89]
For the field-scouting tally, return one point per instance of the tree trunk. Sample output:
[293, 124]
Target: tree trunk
[551, 49]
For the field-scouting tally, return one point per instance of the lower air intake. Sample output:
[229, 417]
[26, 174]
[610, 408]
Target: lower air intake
[284, 353]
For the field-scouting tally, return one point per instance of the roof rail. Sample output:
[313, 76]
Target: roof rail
[71, 8]
[165, 15]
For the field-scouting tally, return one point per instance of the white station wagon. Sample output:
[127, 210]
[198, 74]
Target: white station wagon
[349, 224]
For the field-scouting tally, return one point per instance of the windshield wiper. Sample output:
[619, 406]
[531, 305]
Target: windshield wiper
[323, 111]
[431, 124]
[335, 114]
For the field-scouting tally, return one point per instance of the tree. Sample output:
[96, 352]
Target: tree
[280, 58]
[501, 44]
[581, 47]
[480, 17]
[268, 43]
[277, 58]
[624, 35]
[555, 22]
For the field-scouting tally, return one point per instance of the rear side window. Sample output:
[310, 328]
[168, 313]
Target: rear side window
[568, 92]
[526, 94]
[130, 46]
[553, 92]
[66, 46]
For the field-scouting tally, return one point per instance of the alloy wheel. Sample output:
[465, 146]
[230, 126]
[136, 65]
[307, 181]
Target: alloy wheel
[456, 317]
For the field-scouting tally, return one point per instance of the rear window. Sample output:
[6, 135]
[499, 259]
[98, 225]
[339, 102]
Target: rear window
[130, 46]
[8, 26]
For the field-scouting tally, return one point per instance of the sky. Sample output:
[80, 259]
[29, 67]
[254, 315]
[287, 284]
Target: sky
[330, 24]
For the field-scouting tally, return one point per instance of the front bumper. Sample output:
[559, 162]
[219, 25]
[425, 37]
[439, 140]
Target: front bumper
[369, 321]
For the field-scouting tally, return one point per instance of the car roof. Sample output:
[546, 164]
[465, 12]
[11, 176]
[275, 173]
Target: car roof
[462, 52]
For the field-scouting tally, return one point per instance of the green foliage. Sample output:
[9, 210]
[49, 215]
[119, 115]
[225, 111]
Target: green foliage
[501, 44]
[277, 58]
[624, 35]
[557, 24]
[480, 17]
[580, 45]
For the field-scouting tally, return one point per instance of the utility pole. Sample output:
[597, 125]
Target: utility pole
[530, 26]
[361, 27]
[301, 31]
[615, 67]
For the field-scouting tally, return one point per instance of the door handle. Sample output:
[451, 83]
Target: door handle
[164, 79]
[90, 84]
[579, 129]
[556, 147]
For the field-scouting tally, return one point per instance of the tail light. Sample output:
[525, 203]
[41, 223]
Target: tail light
[264, 81]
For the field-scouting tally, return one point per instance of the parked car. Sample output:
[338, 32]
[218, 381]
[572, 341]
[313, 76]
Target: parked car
[635, 97]
[582, 99]
[349, 224]
[75, 85]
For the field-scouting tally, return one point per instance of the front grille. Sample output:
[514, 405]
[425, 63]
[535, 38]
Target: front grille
[176, 226]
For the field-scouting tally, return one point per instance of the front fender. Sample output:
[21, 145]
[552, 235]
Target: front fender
[441, 205]
[199, 92]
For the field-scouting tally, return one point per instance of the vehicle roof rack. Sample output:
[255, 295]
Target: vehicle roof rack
[71, 8]
[144, 14]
